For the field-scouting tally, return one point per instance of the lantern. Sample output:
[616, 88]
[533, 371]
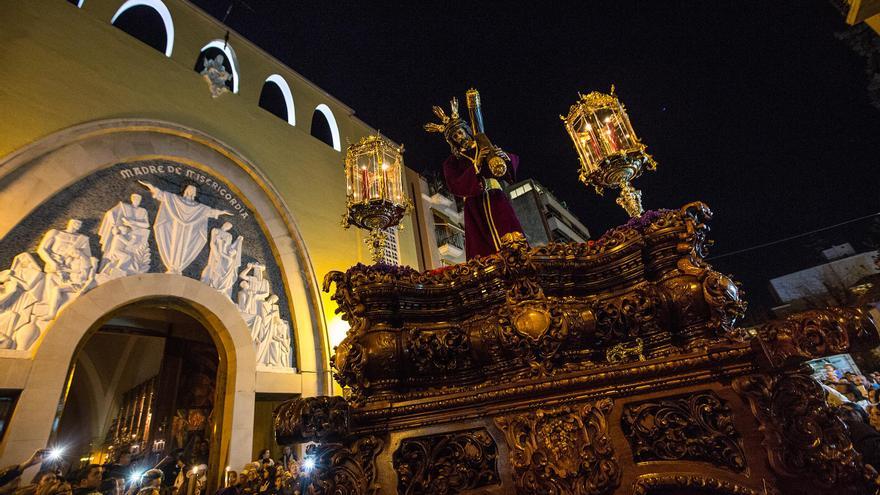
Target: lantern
[374, 182]
[610, 152]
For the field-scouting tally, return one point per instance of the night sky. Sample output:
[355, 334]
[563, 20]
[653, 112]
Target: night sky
[753, 107]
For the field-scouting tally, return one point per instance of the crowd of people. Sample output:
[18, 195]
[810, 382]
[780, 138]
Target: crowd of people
[173, 475]
[856, 398]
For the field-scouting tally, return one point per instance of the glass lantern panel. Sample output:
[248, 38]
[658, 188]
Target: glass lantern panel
[608, 124]
[588, 143]
[626, 128]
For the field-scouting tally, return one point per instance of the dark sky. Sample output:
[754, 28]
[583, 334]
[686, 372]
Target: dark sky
[753, 107]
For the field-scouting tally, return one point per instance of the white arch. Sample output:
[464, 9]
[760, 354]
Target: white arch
[334, 129]
[160, 9]
[288, 96]
[227, 50]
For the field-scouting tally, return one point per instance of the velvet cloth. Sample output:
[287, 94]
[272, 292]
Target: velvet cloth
[488, 215]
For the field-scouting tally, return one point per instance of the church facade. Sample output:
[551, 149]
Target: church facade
[145, 173]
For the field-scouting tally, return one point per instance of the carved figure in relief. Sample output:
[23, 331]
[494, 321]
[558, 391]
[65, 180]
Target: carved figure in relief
[21, 289]
[279, 351]
[224, 260]
[124, 233]
[254, 290]
[181, 226]
[264, 327]
[216, 75]
[69, 266]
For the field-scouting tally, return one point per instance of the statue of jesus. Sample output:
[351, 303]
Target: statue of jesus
[181, 226]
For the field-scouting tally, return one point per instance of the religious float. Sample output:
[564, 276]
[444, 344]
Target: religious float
[609, 367]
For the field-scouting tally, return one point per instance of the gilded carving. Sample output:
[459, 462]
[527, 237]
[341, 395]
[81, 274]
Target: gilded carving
[447, 463]
[343, 469]
[445, 349]
[816, 333]
[693, 482]
[311, 419]
[695, 427]
[804, 439]
[562, 450]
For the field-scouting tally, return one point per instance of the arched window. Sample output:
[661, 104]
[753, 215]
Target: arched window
[277, 98]
[230, 63]
[147, 20]
[324, 126]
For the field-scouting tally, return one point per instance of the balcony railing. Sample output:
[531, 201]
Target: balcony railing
[449, 234]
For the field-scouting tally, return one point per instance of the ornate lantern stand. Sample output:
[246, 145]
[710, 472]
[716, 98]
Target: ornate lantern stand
[374, 180]
[610, 152]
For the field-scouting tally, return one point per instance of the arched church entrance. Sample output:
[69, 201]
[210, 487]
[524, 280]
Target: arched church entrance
[117, 213]
[200, 320]
[144, 385]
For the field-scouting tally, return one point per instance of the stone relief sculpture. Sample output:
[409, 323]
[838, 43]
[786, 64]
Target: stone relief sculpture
[20, 293]
[224, 260]
[259, 308]
[181, 226]
[253, 290]
[69, 265]
[32, 295]
[216, 75]
[125, 235]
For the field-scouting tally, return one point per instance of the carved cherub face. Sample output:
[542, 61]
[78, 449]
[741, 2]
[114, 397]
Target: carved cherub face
[73, 225]
[136, 199]
[226, 226]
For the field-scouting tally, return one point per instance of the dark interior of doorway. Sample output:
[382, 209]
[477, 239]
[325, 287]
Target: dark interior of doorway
[143, 385]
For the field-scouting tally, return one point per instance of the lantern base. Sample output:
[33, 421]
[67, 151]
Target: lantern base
[630, 199]
[376, 240]
[623, 166]
[375, 214]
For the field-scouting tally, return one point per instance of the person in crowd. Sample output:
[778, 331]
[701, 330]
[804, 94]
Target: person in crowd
[112, 486]
[10, 476]
[855, 380]
[55, 487]
[233, 485]
[151, 482]
[174, 472]
[865, 439]
[831, 373]
[88, 480]
[265, 457]
[287, 456]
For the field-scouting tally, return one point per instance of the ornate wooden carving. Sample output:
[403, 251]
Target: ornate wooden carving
[695, 427]
[448, 463]
[815, 333]
[562, 450]
[342, 469]
[671, 483]
[312, 419]
[542, 340]
[805, 440]
[533, 311]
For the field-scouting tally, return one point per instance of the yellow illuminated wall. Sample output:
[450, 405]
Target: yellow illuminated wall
[64, 66]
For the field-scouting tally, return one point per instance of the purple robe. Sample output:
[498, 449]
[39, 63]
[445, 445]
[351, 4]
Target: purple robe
[488, 215]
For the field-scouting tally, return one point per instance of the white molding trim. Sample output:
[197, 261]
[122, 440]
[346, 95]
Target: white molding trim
[288, 96]
[334, 129]
[160, 9]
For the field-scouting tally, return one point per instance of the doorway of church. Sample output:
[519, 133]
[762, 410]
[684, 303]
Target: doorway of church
[142, 388]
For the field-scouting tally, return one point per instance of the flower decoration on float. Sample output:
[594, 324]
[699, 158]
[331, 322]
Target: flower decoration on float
[374, 189]
[611, 154]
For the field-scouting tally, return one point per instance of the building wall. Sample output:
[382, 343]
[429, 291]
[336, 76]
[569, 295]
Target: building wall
[65, 66]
